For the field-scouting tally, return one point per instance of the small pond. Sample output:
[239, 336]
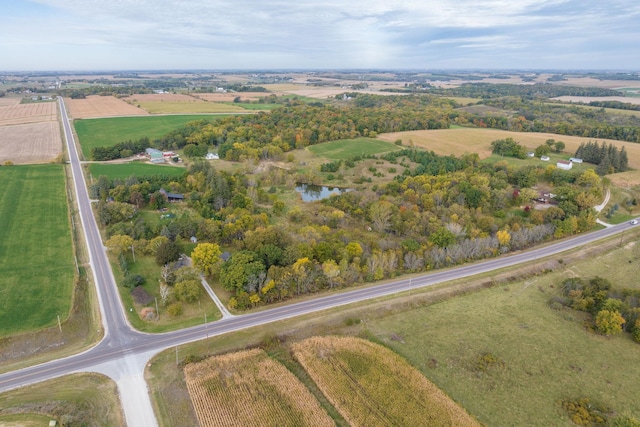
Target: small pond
[311, 193]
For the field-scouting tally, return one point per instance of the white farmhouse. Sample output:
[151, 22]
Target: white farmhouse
[563, 164]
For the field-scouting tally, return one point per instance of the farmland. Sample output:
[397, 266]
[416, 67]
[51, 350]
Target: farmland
[110, 131]
[33, 210]
[139, 169]
[193, 106]
[347, 148]
[372, 386]
[476, 140]
[30, 143]
[100, 106]
[249, 388]
[28, 113]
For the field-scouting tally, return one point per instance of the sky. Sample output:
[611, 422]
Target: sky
[94, 35]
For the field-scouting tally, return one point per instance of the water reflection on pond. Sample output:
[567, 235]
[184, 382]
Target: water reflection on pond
[311, 193]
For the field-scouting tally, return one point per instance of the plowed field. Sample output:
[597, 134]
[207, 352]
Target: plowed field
[30, 143]
[28, 113]
[100, 106]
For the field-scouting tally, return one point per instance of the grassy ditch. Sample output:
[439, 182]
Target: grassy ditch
[74, 400]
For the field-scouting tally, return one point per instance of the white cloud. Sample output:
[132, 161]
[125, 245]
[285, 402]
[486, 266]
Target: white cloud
[323, 34]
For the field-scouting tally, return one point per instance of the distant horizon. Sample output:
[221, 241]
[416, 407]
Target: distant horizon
[81, 35]
[337, 70]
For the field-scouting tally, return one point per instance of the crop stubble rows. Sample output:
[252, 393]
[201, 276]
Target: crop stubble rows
[372, 386]
[249, 388]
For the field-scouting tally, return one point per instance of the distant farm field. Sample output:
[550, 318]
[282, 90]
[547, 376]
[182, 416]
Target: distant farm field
[28, 113]
[229, 96]
[347, 148]
[478, 140]
[249, 388]
[139, 169]
[30, 143]
[194, 106]
[110, 131]
[587, 99]
[371, 385]
[37, 263]
[100, 106]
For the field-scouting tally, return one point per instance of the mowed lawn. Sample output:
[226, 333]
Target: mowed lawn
[110, 131]
[36, 258]
[348, 148]
[139, 169]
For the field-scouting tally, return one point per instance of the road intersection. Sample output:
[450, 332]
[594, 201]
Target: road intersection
[123, 352]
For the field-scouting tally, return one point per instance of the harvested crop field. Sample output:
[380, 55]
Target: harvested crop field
[249, 388]
[229, 97]
[371, 385]
[30, 143]
[587, 99]
[159, 97]
[7, 101]
[94, 106]
[28, 113]
[626, 179]
[478, 140]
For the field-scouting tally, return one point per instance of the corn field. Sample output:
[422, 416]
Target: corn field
[372, 386]
[250, 389]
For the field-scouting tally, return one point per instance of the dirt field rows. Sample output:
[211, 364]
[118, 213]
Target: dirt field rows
[101, 106]
[30, 143]
[28, 113]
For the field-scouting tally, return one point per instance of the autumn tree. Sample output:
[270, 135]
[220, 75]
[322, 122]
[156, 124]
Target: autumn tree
[609, 322]
[119, 243]
[206, 257]
[188, 291]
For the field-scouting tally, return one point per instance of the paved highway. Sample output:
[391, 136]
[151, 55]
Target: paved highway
[123, 352]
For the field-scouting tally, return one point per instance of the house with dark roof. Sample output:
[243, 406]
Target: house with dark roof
[171, 197]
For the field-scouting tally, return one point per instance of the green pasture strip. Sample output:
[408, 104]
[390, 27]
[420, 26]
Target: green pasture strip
[110, 131]
[254, 107]
[36, 258]
[188, 107]
[139, 169]
[348, 148]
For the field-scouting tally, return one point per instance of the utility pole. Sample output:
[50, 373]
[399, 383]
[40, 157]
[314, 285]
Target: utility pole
[157, 311]
[59, 324]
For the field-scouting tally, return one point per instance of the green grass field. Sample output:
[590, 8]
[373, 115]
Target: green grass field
[72, 400]
[347, 148]
[36, 262]
[139, 169]
[187, 107]
[110, 131]
[252, 106]
[549, 355]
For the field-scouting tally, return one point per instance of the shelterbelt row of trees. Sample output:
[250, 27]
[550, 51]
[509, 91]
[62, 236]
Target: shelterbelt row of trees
[420, 220]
